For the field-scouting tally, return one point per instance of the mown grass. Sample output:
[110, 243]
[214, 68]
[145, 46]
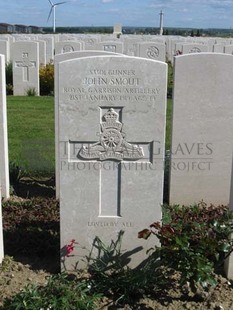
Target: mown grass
[31, 133]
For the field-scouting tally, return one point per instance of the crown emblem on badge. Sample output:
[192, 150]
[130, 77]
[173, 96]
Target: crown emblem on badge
[110, 115]
[110, 120]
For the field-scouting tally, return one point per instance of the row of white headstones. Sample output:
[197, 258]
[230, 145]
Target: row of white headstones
[129, 120]
[28, 56]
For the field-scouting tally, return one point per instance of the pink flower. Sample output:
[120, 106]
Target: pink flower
[70, 247]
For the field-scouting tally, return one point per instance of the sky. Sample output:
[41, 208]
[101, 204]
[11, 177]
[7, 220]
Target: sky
[177, 13]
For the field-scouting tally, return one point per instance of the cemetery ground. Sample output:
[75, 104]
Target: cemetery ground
[29, 275]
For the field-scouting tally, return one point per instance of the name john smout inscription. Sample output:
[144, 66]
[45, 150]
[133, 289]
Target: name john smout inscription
[112, 85]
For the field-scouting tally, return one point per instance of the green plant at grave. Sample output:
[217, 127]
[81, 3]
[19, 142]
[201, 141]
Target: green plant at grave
[6, 264]
[47, 80]
[61, 292]
[31, 92]
[111, 276]
[9, 79]
[15, 173]
[196, 238]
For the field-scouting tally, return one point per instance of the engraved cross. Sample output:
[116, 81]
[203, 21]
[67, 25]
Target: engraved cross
[112, 147]
[25, 64]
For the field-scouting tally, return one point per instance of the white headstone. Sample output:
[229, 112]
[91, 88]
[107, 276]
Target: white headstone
[5, 50]
[152, 50]
[4, 160]
[42, 52]
[191, 48]
[218, 48]
[110, 46]
[202, 129]
[228, 49]
[111, 134]
[130, 46]
[67, 47]
[117, 29]
[90, 42]
[49, 48]
[25, 57]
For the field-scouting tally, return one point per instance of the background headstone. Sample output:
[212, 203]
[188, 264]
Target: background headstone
[117, 29]
[25, 58]
[152, 50]
[228, 49]
[67, 47]
[42, 53]
[111, 134]
[189, 48]
[5, 50]
[110, 46]
[49, 48]
[202, 132]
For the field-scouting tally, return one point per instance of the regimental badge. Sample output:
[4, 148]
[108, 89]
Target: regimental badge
[112, 144]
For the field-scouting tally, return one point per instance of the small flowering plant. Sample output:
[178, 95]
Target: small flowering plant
[194, 241]
[70, 247]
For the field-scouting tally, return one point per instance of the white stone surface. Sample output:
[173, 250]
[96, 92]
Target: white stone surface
[130, 46]
[67, 47]
[4, 160]
[202, 129]
[228, 49]
[25, 56]
[218, 48]
[117, 29]
[5, 50]
[152, 50]
[49, 48]
[42, 52]
[90, 42]
[110, 46]
[189, 48]
[111, 176]
[59, 58]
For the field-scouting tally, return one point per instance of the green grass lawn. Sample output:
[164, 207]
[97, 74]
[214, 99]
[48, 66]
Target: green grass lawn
[31, 133]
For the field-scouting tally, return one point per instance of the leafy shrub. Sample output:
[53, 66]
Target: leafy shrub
[15, 173]
[194, 241]
[47, 80]
[31, 92]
